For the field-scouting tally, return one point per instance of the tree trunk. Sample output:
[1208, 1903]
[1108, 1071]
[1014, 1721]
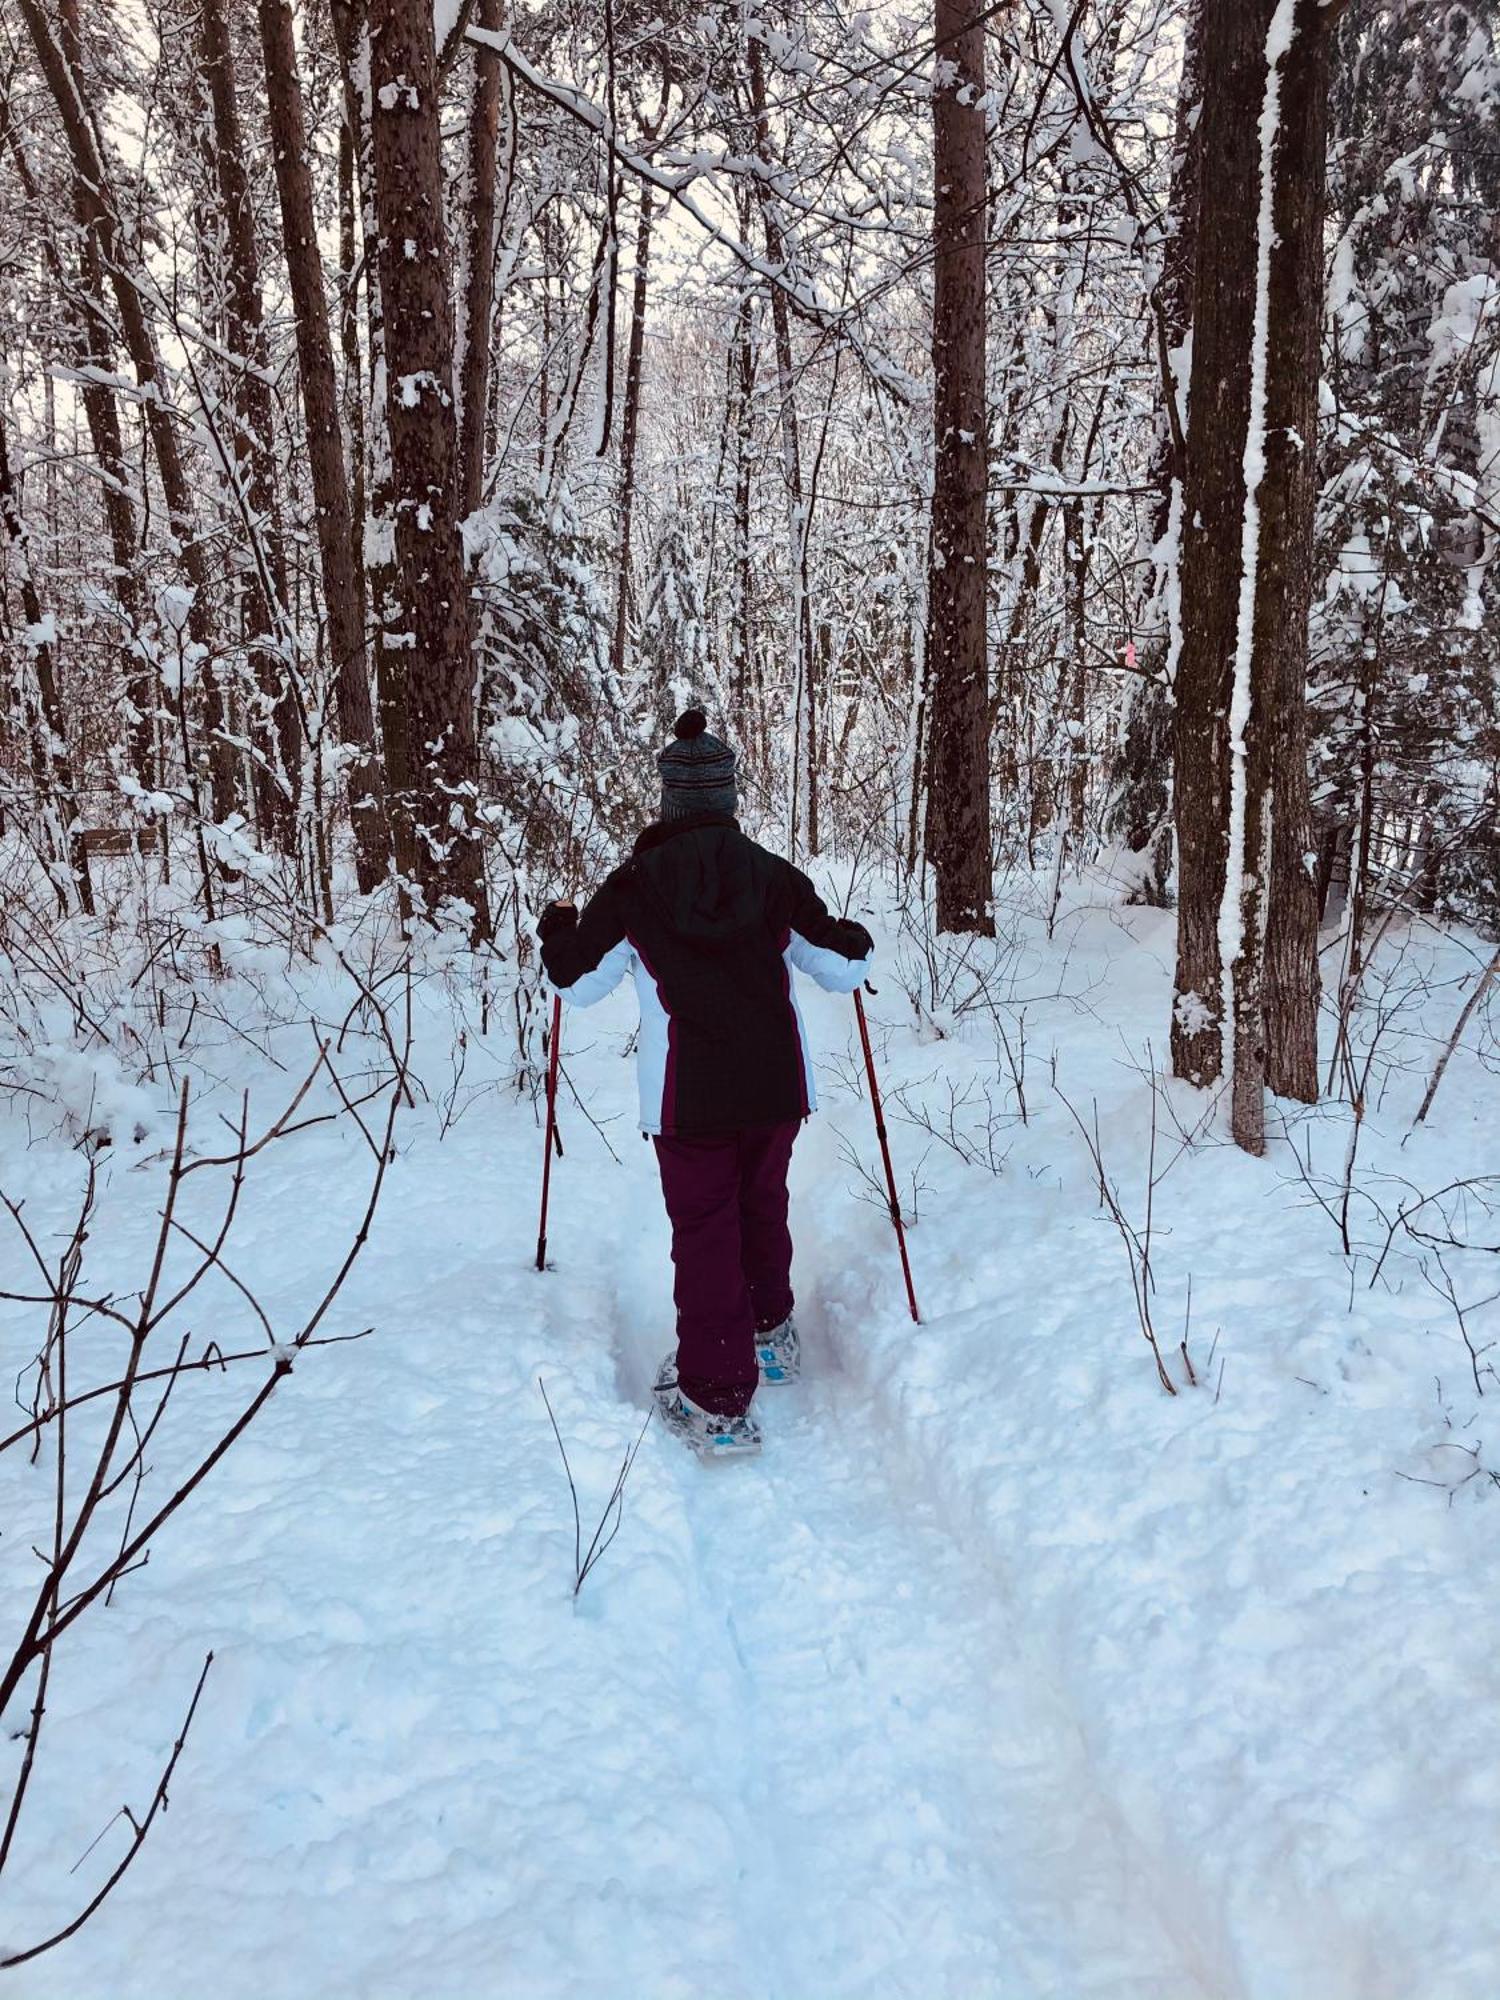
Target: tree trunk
[95, 356]
[342, 596]
[742, 372]
[630, 424]
[278, 731]
[803, 675]
[958, 761]
[49, 749]
[351, 236]
[431, 622]
[58, 56]
[1140, 811]
[1241, 793]
[375, 531]
[1289, 495]
[491, 85]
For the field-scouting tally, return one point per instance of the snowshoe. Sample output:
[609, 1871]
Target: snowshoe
[778, 1351]
[702, 1431]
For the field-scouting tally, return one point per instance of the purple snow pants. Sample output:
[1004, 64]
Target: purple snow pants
[733, 1253]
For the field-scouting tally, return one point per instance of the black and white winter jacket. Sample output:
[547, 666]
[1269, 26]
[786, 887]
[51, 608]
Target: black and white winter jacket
[711, 926]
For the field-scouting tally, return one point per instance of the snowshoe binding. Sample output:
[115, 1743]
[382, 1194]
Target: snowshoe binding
[702, 1431]
[778, 1351]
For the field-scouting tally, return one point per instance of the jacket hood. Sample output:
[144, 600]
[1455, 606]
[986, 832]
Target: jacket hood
[700, 873]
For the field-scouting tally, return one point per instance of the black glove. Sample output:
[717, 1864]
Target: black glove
[851, 938]
[556, 917]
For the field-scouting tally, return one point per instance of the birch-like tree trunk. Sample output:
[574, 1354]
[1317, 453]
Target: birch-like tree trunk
[958, 756]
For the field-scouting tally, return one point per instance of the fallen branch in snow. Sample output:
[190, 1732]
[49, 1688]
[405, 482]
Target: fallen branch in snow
[139, 1829]
[1486, 981]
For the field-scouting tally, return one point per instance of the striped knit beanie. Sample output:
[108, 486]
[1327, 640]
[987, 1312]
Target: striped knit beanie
[697, 770]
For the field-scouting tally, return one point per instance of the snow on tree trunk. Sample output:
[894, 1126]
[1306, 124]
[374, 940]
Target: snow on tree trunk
[431, 625]
[1241, 783]
[374, 531]
[958, 760]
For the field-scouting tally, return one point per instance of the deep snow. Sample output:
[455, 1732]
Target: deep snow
[1000, 1676]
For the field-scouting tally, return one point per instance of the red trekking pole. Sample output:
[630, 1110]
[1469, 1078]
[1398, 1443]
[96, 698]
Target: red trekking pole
[885, 1154]
[552, 1133]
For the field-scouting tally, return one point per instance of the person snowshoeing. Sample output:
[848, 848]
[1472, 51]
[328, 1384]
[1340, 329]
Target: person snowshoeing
[711, 925]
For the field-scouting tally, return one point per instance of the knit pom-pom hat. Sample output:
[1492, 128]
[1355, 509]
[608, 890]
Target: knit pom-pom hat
[697, 770]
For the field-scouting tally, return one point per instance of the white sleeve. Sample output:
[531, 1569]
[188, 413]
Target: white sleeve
[605, 977]
[833, 972]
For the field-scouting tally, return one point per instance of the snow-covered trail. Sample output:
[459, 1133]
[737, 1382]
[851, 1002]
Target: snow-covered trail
[916, 1813]
[785, 1746]
[912, 1809]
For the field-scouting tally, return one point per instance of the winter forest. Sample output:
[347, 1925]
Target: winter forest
[1056, 443]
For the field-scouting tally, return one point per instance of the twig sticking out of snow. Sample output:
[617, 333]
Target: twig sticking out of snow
[614, 1506]
[1137, 1241]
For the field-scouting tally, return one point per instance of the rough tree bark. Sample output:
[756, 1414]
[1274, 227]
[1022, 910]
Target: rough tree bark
[1289, 495]
[958, 761]
[337, 548]
[57, 55]
[277, 733]
[492, 86]
[375, 527]
[742, 392]
[1141, 808]
[630, 427]
[1241, 791]
[429, 584]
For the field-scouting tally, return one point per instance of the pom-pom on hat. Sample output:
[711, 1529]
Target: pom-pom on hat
[697, 770]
